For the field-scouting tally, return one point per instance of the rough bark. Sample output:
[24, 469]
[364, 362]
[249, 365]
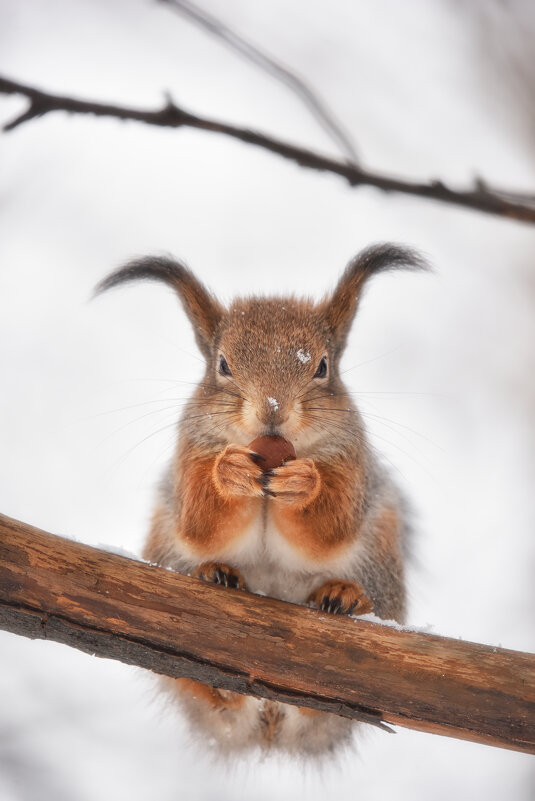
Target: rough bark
[115, 607]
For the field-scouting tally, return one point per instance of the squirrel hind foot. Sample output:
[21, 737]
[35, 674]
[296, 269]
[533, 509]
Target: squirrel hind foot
[215, 699]
[271, 719]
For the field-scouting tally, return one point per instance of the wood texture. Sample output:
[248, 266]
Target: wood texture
[111, 606]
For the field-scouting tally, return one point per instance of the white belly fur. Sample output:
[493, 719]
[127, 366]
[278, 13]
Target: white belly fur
[270, 564]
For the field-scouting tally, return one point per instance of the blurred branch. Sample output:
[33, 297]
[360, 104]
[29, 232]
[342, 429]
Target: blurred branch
[115, 607]
[256, 56]
[479, 197]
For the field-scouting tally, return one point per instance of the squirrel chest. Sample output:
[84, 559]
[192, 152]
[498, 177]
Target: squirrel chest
[265, 534]
[270, 550]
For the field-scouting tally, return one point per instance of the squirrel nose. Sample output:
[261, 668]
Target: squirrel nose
[272, 412]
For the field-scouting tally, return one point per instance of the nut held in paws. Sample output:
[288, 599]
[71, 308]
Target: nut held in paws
[275, 450]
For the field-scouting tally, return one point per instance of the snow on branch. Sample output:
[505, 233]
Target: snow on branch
[480, 197]
[119, 608]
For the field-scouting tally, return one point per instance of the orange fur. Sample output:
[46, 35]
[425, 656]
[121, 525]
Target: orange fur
[234, 473]
[211, 519]
[346, 596]
[270, 717]
[306, 710]
[217, 699]
[329, 522]
[296, 483]
[387, 531]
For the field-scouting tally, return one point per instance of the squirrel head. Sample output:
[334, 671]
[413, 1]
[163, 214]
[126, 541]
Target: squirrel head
[272, 364]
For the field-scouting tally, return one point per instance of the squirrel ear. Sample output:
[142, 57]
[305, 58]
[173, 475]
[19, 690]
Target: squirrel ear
[203, 310]
[341, 306]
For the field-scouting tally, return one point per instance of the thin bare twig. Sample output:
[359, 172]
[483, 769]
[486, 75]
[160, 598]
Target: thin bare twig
[479, 197]
[255, 55]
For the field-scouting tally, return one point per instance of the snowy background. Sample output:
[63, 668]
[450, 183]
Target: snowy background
[443, 364]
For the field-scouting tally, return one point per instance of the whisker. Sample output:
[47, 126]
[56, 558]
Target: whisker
[136, 420]
[138, 444]
[335, 426]
[329, 409]
[398, 394]
[367, 446]
[204, 414]
[380, 392]
[405, 453]
[212, 386]
[228, 378]
[169, 341]
[185, 400]
[373, 359]
[383, 421]
[380, 419]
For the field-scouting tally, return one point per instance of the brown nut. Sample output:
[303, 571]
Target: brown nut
[275, 450]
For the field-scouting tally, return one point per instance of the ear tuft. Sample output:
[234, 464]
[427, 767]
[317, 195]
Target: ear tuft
[202, 308]
[341, 307]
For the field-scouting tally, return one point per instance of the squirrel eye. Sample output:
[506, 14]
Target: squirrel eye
[321, 372]
[223, 368]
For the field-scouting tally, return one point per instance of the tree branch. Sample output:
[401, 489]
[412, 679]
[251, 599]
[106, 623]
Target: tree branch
[114, 607]
[480, 198]
[266, 62]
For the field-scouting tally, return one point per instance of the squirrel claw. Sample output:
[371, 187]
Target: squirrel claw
[332, 605]
[219, 573]
[341, 598]
[263, 481]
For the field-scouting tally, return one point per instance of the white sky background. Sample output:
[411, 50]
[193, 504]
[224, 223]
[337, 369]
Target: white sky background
[445, 362]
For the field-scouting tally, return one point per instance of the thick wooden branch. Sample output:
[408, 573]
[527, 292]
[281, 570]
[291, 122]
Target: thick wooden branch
[480, 197]
[111, 606]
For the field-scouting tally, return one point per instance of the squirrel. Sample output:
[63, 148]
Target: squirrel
[329, 528]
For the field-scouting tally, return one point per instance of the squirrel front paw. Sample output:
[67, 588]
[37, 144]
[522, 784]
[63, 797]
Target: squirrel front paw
[219, 573]
[296, 483]
[342, 598]
[237, 472]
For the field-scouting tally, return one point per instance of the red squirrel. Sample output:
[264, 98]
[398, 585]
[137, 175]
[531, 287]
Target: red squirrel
[328, 528]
